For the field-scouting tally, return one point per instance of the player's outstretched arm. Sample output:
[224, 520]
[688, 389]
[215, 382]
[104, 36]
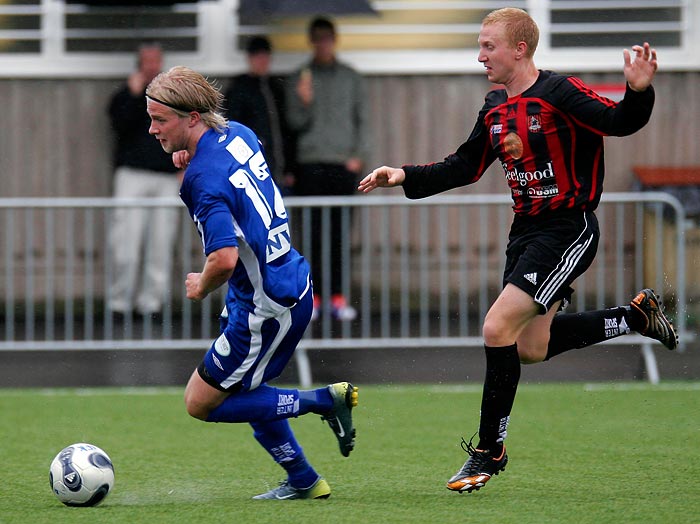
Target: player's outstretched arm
[640, 72]
[384, 176]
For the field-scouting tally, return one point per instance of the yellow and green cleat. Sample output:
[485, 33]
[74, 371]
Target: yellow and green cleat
[318, 490]
[345, 397]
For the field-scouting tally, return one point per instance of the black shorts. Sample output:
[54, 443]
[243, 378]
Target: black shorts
[546, 254]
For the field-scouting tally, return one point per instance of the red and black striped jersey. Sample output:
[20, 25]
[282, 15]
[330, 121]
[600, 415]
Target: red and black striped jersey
[549, 141]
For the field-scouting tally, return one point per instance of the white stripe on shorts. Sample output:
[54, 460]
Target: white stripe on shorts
[285, 322]
[255, 323]
[566, 266]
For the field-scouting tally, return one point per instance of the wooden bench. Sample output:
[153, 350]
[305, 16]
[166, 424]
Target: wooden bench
[658, 176]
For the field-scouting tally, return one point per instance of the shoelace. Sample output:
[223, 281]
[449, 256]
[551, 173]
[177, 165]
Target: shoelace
[476, 458]
[467, 446]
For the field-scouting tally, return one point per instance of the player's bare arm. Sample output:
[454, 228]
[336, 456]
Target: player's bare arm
[217, 270]
[384, 176]
[640, 72]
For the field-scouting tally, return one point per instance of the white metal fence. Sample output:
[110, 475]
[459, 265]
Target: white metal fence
[420, 273]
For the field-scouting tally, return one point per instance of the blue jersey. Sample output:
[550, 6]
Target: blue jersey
[233, 201]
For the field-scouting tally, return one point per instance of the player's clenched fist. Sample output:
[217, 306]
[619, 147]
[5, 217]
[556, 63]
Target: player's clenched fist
[192, 286]
[181, 159]
[384, 176]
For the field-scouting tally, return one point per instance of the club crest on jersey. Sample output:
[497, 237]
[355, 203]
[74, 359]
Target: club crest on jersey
[533, 123]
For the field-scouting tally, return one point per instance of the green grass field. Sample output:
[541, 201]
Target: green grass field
[582, 454]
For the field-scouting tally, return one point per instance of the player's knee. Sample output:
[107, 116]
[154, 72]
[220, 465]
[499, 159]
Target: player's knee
[496, 334]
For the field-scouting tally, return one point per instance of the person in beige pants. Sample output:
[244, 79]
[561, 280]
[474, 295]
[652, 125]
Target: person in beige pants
[141, 238]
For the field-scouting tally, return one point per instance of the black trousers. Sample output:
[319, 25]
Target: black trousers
[326, 180]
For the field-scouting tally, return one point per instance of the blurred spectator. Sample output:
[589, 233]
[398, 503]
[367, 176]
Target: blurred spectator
[256, 100]
[327, 107]
[141, 238]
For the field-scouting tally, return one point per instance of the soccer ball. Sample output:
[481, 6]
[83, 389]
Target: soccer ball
[81, 475]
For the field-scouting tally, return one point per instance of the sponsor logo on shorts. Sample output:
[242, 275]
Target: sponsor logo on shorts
[531, 277]
[217, 362]
[222, 347]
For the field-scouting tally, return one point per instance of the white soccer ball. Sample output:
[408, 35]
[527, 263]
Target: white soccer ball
[81, 475]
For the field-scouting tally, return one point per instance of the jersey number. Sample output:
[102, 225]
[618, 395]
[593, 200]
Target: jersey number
[278, 238]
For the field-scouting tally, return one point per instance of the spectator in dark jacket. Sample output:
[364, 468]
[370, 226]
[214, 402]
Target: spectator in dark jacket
[256, 100]
[141, 238]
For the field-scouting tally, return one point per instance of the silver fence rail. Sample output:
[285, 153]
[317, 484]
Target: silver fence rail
[420, 273]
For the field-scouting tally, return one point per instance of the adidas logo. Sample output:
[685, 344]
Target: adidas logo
[531, 277]
[624, 328]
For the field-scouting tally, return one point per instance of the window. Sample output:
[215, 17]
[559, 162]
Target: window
[20, 26]
[120, 28]
[441, 36]
[93, 38]
[615, 24]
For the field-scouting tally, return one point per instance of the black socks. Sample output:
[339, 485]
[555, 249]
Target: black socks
[568, 331]
[578, 330]
[500, 385]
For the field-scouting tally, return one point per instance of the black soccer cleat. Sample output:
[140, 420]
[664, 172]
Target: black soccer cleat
[653, 322]
[478, 469]
[345, 397]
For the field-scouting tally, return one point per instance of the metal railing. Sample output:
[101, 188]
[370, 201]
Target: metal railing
[419, 273]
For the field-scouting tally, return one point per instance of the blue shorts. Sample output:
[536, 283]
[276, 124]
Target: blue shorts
[546, 254]
[252, 349]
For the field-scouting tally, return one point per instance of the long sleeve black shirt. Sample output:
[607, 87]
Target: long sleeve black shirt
[134, 147]
[549, 141]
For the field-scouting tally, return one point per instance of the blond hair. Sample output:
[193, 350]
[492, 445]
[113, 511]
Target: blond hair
[184, 90]
[519, 27]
